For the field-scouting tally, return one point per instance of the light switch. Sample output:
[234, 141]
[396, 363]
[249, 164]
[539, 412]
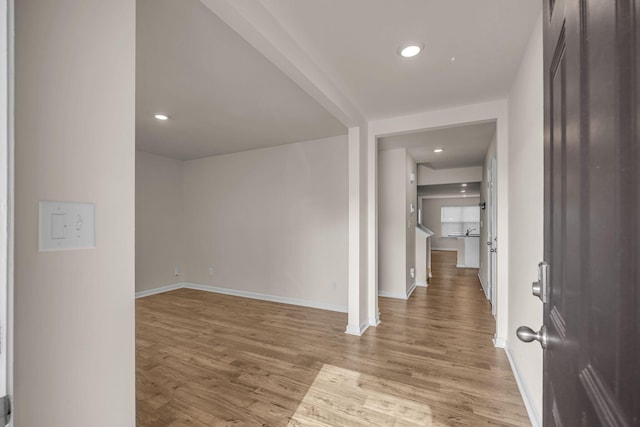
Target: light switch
[58, 225]
[66, 225]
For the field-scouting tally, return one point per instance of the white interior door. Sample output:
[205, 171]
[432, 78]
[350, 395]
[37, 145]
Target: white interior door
[492, 240]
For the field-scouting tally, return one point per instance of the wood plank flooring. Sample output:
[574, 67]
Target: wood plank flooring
[206, 359]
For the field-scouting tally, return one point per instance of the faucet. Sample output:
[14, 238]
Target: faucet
[469, 230]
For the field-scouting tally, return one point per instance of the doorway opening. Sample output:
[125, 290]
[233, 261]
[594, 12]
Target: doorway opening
[422, 177]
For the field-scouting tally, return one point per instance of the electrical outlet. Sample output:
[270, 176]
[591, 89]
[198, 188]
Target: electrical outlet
[176, 271]
[210, 271]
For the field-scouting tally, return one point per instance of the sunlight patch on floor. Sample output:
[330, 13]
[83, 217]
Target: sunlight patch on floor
[341, 397]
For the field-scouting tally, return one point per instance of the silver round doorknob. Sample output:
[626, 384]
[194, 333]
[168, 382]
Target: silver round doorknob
[526, 334]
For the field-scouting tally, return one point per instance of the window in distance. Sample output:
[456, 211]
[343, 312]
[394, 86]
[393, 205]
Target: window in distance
[456, 220]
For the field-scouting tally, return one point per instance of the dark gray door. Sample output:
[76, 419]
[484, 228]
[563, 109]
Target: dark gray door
[592, 212]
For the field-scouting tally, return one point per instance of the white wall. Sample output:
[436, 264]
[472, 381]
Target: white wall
[285, 216]
[428, 176]
[159, 221]
[526, 208]
[392, 223]
[484, 218]
[359, 253]
[397, 225]
[271, 221]
[75, 141]
[431, 218]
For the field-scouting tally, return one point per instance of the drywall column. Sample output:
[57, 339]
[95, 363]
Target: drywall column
[397, 223]
[372, 228]
[358, 240]
[363, 284]
[353, 325]
[75, 141]
[392, 267]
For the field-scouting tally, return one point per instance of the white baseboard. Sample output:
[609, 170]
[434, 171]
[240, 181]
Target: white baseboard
[159, 290]
[484, 288]
[387, 294]
[266, 297]
[460, 266]
[411, 289]
[357, 331]
[422, 284]
[397, 295]
[374, 321]
[534, 416]
[244, 294]
[499, 342]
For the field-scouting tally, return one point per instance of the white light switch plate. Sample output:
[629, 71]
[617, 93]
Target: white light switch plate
[66, 225]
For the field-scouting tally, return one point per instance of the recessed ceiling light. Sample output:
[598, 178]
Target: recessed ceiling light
[463, 191]
[464, 185]
[438, 150]
[161, 117]
[409, 51]
[453, 59]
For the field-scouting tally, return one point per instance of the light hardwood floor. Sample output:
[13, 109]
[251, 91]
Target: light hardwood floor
[206, 359]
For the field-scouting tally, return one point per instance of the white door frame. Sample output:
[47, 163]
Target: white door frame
[6, 196]
[491, 233]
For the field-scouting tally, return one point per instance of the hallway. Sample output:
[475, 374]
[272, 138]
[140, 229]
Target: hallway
[444, 333]
[208, 359]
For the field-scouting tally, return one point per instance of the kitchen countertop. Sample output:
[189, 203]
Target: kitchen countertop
[425, 230]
